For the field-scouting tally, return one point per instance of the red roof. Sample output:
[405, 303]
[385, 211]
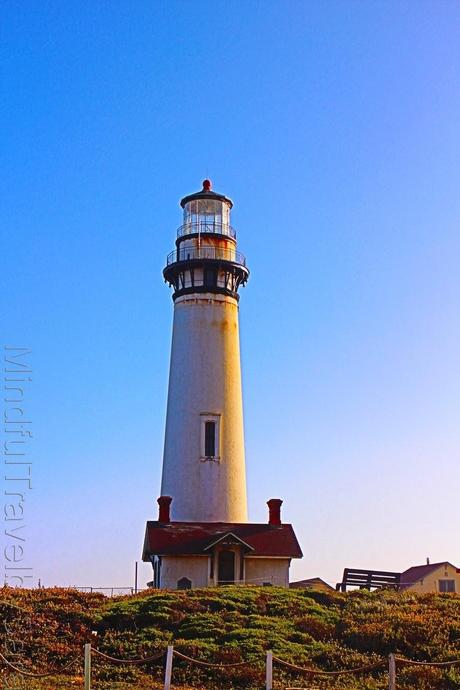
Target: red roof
[418, 572]
[187, 538]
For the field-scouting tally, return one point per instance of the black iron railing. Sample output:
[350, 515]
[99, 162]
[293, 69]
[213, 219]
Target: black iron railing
[212, 253]
[204, 226]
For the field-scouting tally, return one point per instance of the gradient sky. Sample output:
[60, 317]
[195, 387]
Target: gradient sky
[334, 127]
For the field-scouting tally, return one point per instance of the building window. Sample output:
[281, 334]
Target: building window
[210, 433]
[156, 562]
[210, 439]
[447, 585]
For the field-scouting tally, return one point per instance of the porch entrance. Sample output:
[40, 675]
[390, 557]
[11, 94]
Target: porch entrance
[226, 567]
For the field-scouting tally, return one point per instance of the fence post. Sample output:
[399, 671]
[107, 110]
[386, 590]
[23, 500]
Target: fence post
[269, 671]
[87, 666]
[168, 668]
[391, 672]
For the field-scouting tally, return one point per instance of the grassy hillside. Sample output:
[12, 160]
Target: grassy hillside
[310, 628]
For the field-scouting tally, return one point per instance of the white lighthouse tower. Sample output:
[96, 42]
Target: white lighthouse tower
[201, 537]
[204, 462]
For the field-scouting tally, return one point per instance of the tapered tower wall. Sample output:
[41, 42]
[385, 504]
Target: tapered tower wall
[205, 384]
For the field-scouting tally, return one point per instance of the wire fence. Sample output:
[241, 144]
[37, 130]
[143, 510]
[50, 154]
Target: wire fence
[268, 581]
[270, 661]
[108, 591]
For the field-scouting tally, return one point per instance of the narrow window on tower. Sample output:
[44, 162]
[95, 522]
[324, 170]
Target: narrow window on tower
[210, 441]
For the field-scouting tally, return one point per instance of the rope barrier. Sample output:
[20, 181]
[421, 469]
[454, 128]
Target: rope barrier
[206, 664]
[199, 662]
[114, 660]
[39, 675]
[314, 672]
[409, 662]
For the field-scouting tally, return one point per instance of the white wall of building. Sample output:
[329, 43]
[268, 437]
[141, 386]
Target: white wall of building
[273, 570]
[173, 568]
[257, 571]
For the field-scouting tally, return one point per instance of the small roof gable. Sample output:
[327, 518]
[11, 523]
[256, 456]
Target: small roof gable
[229, 536]
[418, 572]
[187, 538]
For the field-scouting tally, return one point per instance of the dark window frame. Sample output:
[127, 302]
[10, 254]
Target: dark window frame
[210, 432]
[447, 586]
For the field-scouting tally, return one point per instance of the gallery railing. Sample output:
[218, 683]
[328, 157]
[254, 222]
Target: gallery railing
[206, 227]
[211, 253]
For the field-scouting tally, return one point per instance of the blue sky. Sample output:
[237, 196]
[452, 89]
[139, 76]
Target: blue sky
[334, 128]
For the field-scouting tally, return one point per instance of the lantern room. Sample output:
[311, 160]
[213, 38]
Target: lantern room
[206, 257]
[206, 212]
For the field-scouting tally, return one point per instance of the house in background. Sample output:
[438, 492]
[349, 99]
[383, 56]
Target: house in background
[312, 583]
[431, 577]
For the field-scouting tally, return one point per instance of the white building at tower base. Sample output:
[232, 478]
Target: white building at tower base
[207, 554]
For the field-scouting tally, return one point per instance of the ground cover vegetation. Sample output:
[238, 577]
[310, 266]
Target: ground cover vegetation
[46, 629]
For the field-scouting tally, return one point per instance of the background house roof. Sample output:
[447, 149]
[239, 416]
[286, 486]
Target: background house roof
[418, 572]
[311, 583]
[187, 538]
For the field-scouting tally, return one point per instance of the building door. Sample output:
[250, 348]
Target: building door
[226, 567]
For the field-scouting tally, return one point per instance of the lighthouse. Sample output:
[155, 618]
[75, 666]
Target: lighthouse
[202, 537]
[204, 461]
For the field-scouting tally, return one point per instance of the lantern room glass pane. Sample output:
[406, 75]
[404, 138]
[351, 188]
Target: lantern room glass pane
[206, 213]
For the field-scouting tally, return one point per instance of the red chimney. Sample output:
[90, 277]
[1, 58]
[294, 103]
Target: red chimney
[274, 507]
[164, 502]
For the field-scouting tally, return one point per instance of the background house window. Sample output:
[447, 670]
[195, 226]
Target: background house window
[210, 439]
[447, 585]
